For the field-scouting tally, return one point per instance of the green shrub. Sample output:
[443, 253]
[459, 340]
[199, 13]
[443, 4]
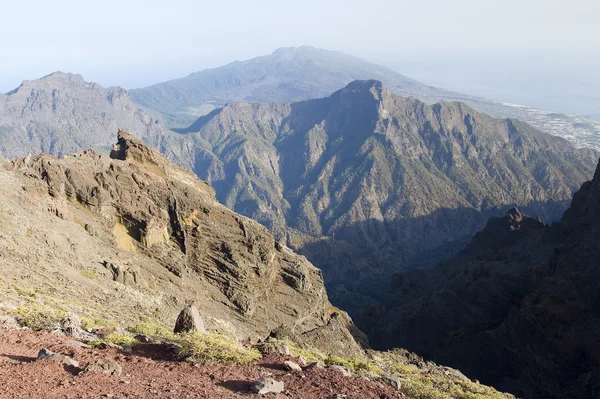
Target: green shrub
[117, 339]
[214, 348]
[356, 365]
[89, 323]
[38, 317]
[88, 274]
[151, 329]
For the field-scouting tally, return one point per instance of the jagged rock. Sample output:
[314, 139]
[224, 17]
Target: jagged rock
[341, 369]
[123, 274]
[267, 385]
[314, 365]
[275, 347]
[143, 338]
[46, 354]
[71, 325]
[302, 362]
[291, 366]
[189, 320]
[392, 381]
[109, 367]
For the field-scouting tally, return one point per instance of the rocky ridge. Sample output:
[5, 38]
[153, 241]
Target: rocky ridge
[62, 114]
[517, 308]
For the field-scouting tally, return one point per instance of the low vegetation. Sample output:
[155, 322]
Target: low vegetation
[117, 339]
[419, 379]
[39, 317]
[215, 348]
[426, 380]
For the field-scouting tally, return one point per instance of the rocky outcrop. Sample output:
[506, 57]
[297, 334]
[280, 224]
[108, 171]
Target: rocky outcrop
[159, 238]
[189, 320]
[517, 308]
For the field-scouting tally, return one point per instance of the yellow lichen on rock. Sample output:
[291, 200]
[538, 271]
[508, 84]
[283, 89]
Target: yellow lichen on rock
[122, 238]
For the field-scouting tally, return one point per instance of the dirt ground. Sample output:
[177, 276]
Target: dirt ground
[145, 375]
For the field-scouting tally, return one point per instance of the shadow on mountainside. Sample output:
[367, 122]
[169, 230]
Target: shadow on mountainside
[358, 261]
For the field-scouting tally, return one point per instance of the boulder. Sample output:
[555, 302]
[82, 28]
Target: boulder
[9, 323]
[108, 367]
[143, 338]
[189, 320]
[302, 362]
[291, 366]
[392, 381]
[341, 369]
[267, 385]
[47, 354]
[275, 347]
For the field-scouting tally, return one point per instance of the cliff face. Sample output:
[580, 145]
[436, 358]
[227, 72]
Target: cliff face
[518, 308]
[366, 183]
[154, 237]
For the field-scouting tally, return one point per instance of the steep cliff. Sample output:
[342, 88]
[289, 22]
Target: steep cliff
[518, 308]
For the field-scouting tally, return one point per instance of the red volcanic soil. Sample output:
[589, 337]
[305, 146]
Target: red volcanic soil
[145, 376]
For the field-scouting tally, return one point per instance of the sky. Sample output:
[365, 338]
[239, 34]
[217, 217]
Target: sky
[538, 52]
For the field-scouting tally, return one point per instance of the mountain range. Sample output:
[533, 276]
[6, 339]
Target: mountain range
[299, 73]
[62, 114]
[379, 191]
[365, 182]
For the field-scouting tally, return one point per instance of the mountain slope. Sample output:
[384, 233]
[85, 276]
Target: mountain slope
[518, 308]
[299, 73]
[365, 182]
[134, 237]
[62, 113]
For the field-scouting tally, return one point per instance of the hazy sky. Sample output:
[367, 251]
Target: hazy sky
[475, 46]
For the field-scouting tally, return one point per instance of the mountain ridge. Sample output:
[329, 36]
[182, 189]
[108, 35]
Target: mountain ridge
[297, 73]
[365, 157]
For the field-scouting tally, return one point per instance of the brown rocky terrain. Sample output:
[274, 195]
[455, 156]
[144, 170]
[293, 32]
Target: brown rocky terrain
[517, 308]
[133, 236]
[145, 375]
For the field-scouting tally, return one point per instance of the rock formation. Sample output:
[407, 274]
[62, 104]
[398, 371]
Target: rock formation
[136, 236]
[189, 320]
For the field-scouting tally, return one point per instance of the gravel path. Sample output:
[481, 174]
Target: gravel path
[23, 376]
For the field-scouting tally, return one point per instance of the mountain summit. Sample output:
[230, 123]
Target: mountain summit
[288, 74]
[61, 113]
